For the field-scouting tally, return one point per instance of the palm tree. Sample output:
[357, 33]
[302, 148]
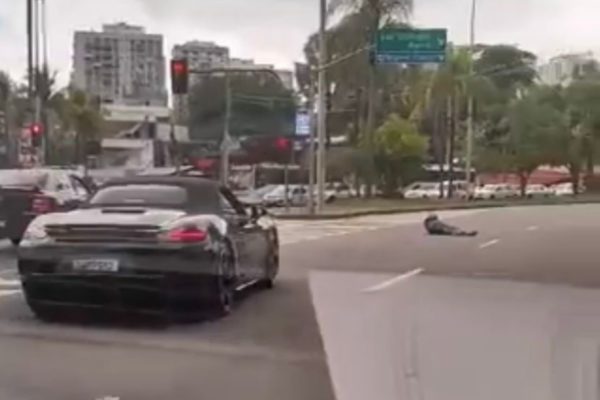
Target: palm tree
[379, 12]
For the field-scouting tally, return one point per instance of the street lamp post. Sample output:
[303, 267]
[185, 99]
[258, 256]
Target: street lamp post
[470, 107]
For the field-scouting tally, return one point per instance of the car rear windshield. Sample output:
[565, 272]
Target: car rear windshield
[23, 178]
[141, 195]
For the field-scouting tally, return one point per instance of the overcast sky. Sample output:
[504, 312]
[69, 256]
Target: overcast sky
[274, 31]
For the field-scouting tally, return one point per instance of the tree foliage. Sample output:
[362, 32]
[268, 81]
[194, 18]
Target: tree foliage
[507, 66]
[261, 106]
[399, 150]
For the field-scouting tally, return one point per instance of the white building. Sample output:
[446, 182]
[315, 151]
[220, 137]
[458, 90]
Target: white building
[561, 70]
[202, 55]
[120, 65]
[287, 78]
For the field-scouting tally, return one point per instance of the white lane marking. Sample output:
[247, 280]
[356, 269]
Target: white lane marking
[533, 228]
[6, 293]
[393, 281]
[10, 282]
[488, 244]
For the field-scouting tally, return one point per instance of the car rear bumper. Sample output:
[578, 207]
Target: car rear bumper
[150, 282]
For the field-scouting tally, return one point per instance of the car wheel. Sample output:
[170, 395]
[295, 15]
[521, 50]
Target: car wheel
[225, 281]
[271, 268]
[15, 241]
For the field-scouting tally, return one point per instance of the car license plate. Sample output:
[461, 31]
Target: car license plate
[96, 265]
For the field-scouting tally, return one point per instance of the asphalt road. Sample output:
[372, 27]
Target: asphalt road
[270, 348]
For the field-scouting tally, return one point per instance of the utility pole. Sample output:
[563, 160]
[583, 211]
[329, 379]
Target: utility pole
[470, 107]
[322, 122]
[226, 132]
[30, 49]
[372, 95]
[44, 94]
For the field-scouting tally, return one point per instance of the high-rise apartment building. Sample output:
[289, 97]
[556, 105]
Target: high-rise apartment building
[563, 69]
[122, 64]
[202, 55]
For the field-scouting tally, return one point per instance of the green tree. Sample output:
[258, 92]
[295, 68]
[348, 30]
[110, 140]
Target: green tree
[583, 97]
[261, 106]
[399, 150]
[80, 121]
[5, 90]
[533, 125]
[377, 14]
[508, 67]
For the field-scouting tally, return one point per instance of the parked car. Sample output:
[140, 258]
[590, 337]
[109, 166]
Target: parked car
[175, 247]
[431, 190]
[495, 191]
[297, 196]
[566, 189]
[538, 190]
[339, 190]
[276, 196]
[461, 189]
[27, 193]
[422, 190]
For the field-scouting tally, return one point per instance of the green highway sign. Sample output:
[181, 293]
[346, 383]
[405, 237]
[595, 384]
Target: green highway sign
[411, 46]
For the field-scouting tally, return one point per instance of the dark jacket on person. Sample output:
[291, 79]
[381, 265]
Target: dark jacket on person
[434, 226]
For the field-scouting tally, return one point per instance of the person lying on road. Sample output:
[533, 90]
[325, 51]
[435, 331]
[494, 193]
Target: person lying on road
[434, 226]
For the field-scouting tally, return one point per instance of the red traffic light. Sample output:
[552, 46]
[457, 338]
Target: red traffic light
[179, 76]
[179, 67]
[36, 129]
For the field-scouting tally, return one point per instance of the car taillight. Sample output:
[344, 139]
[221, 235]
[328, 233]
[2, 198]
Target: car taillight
[187, 235]
[42, 204]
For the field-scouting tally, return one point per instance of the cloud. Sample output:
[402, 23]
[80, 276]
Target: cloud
[274, 31]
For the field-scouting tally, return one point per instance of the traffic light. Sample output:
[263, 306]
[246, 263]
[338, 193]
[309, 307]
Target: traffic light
[179, 76]
[36, 130]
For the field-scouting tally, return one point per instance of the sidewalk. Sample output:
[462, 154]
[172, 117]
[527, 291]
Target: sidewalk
[349, 208]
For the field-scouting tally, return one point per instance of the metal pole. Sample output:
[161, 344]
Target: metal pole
[286, 186]
[311, 154]
[45, 151]
[226, 137]
[321, 173]
[30, 49]
[470, 107]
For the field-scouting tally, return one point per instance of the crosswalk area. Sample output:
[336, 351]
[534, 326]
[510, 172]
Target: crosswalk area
[295, 231]
[9, 284]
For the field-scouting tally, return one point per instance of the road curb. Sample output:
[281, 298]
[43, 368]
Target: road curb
[440, 207]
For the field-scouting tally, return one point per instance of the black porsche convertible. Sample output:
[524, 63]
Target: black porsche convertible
[173, 246]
